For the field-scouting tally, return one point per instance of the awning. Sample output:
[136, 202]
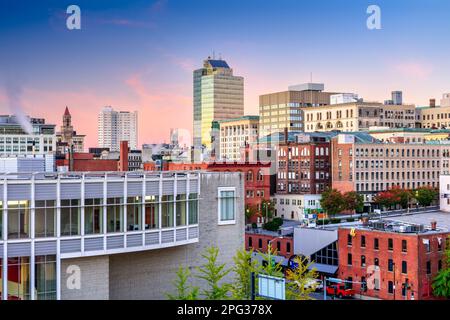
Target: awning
[324, 268]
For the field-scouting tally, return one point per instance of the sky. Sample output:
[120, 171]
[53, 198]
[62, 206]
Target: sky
[140, 55]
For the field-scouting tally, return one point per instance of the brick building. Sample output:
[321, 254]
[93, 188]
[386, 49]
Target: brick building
[393, 259]
[259, 241]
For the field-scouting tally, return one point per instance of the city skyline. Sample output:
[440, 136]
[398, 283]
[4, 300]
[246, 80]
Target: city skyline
[143, 62]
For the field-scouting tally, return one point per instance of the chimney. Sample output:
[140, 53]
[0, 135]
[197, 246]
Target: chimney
[433, 225]
[123, 160]
[432, 103]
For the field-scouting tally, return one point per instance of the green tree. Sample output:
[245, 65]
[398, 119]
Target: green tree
[426, 195]
[250, 211]
[353, 201]
[332, 201]
[269, 266]
[267, 209]
[243, 267]
[301, 280]
[441, 284]
[214, 273]
[183, 290]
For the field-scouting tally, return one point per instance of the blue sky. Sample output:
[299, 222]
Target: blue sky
[140, 54]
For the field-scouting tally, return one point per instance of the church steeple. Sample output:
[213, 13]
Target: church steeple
[67, 118]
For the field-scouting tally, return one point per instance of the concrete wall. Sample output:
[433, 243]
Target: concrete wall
[94, 275]
[149, 275]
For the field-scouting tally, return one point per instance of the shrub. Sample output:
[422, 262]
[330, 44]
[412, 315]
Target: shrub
[335, 220]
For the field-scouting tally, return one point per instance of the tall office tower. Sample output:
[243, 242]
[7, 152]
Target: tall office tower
[282, 110]
[116, 126]
[218, 95]
[397, 97]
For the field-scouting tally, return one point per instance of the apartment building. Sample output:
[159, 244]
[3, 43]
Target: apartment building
[282, 110]
[116, 126]
[394, 259]
[30, 138]
[409, 135]
[235, 136]
[364, 164]
[112, 235]
[358, 116]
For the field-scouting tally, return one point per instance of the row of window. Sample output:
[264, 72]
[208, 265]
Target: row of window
[270, 242]
[19, 215]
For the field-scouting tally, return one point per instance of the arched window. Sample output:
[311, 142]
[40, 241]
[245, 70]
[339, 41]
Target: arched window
[250, 242]
[249, 175]
[259, 177]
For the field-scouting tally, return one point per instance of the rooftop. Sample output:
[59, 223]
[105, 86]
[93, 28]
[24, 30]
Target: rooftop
[255, 118]
[218, 63]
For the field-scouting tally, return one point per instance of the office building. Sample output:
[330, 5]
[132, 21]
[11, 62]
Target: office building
[36, 138]
[116, 126]
[113, 235]
[218, 95]
[283, 109]
[235, 136]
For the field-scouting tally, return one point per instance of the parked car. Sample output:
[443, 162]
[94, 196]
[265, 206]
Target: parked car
[315, 284]
[339, 290]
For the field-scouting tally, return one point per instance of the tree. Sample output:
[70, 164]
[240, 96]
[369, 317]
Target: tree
[386, 199]
[273, 225]
[213, 273]
[301, 280]
[243, 268]
[183, 290]
[269, 266]
[267, 209]
[250, 211]
[332, 201]
[353, 201]
[402, 196]
[426, 195]
[441, 284]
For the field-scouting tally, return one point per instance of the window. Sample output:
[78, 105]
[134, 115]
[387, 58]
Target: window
[349, 259]
[404, 246]
[93, 216]
[390, 287]
[1, 227]
[20, 289]
[363, 241]
[288, 247]
[404, 267]
[349, 239]
[193, 208]
[45, 277]
[134, 213]
[428, 267]
[227, 206]
[45, 219]
[181, 210]
[260, 243]
[18, 219]
[363, 261]
[376, 262]
[167, 211]
[151, 212]
[70, 217]
[376, 244]
[390, 265]
[114, 215]
[390, 244]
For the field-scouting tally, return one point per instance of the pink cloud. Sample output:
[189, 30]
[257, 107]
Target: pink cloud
[414, 69]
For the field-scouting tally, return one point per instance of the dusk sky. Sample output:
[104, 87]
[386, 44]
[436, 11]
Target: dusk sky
[139, 55]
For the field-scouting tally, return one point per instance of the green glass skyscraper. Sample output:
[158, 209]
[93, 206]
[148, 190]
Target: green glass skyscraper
[218, 95]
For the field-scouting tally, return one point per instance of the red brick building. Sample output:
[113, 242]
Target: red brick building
[260, 242]
[391, 260]
[304, 165]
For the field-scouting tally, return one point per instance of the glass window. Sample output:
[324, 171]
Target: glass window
[404, 246]
[193, 208]
[151, 212]
[167, 204]
[390, 287]
[181, 210]
[18, 219]
[19, 278]
[114, 215]
[45, 277]
[226, 206]
[404, 267]
[1, 225]
[390, 244]
[45, 219]
[363, 241]
[375, 244]
[93, 216]
[134, 213]
[70, 218]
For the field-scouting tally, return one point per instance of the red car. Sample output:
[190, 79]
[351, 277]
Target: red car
[340, 291]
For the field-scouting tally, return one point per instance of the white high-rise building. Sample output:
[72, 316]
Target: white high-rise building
[115, 126]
